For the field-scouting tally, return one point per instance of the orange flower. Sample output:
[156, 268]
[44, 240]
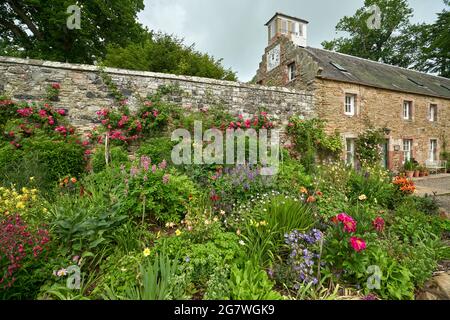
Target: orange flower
[303, 190]
[74, 180]
[311, 199]
[66, 180]
[319, 193]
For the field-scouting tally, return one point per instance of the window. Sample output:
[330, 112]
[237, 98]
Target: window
[350, 109]
[433, 113]
[407, 110]
[350, 152]
[299, 29]
[338, 66]
[433, 149]
[291, 71]
[272, 29]
[407, 149]
[284, 27]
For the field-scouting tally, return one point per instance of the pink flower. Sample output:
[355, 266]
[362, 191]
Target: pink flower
[154, 168]
[163, 165]
[348, 222]
[358, 244]
[378, 224]
[56, 86]
[61, 112]
[155, 113]
[123, 121]
[42, 113]
[51, 121]
[25, 112]
[145, 162]
[61, 129]
[166, 179]
[87, 152]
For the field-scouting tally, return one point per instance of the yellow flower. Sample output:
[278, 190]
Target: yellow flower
[45, 210]
[263, 223]
[362, 197]
[146, 252]
[158, 234]
[20, 205]
[178, 232]
[31, 178]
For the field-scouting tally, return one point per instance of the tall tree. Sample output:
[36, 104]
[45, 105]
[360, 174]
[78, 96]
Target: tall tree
[168, 54]
[436, 54]
[38, 28]
[423, 47]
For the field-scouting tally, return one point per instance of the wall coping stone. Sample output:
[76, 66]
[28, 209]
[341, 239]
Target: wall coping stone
[148, 74]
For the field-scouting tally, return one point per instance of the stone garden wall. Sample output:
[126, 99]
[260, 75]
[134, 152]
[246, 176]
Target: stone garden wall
[83, 91]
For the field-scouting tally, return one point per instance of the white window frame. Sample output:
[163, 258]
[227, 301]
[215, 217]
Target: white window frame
[433, 156]
[407, 149]
[284, 23]
[350, 104]
[407, 110]
[350, 151]
[433, 114]
[291, 71]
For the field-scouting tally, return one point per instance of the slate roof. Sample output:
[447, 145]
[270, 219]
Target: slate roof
[380, 75]
[279, 14]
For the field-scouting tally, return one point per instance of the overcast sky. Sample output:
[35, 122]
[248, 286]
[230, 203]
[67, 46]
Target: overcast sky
[234, 29]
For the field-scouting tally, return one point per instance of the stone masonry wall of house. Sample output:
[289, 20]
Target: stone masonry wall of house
[83, 91]
[377, 107]
[383, 109]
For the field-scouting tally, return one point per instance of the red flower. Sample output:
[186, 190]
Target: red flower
[348, 222]
[378, 224]
[357, 244]
[61, 112]
[56, 86]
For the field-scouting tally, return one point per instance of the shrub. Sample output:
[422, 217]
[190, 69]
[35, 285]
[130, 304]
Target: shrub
[157, 149]
[153, 191]
[118, 156]
[21, 250]
[251, 283]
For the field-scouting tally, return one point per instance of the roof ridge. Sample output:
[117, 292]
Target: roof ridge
[382, 63]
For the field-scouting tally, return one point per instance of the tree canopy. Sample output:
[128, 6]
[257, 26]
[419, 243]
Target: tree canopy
[424, 47]
[109, 32]
[165, 53]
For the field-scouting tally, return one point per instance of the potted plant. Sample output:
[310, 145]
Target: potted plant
[422, 170]
[409, 168]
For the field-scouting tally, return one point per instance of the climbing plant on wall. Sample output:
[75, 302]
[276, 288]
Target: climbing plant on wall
[368, 146]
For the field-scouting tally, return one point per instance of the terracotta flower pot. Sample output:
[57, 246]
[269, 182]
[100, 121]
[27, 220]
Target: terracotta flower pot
[422, 174]
[410, 174]
[416, 174]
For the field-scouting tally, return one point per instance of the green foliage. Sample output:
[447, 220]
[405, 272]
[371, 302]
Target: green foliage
[368, 146]
[251, 283]
[46, 36]
[118, 156]
[87, 222]
[423, 47]
[167, 54]
[158, 149]
[285, 214]
[45, 159]
[312, 141]
[160, 195]
[156, 279]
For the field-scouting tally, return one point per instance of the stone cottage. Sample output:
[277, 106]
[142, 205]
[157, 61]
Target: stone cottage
[349, 93]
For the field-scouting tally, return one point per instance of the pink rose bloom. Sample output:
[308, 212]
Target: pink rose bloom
[61, 112]
[357, 244]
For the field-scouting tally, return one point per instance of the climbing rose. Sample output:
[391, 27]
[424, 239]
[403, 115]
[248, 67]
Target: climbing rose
[358, 244]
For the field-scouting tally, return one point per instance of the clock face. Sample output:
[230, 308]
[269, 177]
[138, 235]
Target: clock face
[273, 58]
